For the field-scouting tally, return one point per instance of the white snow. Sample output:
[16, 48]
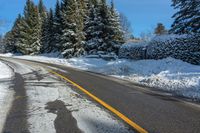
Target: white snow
[7, 55]
[6, 93]
[168, 74]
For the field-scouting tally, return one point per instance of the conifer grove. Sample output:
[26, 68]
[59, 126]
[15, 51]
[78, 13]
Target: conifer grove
[73, 28]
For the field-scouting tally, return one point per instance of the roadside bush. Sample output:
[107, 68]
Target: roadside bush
[135, 51]
[183, 47]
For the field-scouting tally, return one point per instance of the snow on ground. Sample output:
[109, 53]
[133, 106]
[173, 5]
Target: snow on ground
[6, 94]
[168, 74]
[48, 88]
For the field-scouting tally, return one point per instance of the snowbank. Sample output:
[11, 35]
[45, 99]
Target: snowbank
[168, 74]
[6, 94]
[7, 55]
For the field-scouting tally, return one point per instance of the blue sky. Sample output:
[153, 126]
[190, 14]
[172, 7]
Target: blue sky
[143, 14]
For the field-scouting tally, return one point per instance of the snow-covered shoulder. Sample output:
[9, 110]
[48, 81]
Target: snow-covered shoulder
[6, 94]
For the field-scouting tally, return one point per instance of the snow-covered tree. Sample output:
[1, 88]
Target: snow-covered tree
[74, 26]
[43, 17]
[71, 39]
[32, 33]
[2, 46]
[103, 29]
[48, 34]
[93, 29]
[42, 10]
[17, 37]
[116, 35]
[58, 26]
[187, 18]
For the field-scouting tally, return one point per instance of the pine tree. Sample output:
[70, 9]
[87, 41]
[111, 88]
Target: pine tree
[24, 36]
[115, 30]
[43, 23]
[2, 49]
[17, 37]
[71, 38]
[104, 32]
[93, 29]
[187, 18]
[105, 17]
[58, 26]
[48, 34]
[160, 29]
[33, 32]
[42, 11]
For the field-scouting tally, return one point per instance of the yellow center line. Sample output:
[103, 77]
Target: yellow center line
[113, 110]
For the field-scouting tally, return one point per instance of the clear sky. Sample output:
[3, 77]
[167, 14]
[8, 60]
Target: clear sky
[143, 14]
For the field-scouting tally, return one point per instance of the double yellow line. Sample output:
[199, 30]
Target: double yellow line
[120, 115]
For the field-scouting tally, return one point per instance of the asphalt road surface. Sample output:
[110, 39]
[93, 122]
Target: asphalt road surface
[155, 111]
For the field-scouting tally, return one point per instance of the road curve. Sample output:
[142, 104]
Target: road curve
[154, 111]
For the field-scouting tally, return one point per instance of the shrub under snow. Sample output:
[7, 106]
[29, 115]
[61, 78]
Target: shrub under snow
[135, 51]
[184, 47]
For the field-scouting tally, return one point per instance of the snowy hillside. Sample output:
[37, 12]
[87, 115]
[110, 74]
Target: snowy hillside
[168, 74]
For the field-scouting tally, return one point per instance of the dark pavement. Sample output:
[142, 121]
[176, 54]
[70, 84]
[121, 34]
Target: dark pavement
[152, 110]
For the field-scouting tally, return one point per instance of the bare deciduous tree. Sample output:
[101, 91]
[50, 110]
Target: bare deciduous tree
[126, 26]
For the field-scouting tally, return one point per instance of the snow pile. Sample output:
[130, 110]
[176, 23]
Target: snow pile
[7, 55]
[6, 94]
[168, 74]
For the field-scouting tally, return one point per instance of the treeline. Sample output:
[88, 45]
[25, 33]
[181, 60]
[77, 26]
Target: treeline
[73, 28]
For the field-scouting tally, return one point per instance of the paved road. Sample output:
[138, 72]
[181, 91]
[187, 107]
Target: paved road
[155, 111]
[31, 78]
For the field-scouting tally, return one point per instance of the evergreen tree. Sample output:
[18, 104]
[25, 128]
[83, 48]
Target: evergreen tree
[43, 24]
[31, 44]
[48, 34]
[160, 29]
[8, 42]
[17, 37]
[71, 39]
[116, 35]
[2, 49]
[42, 10]
[104, 32]
[58, 26]
[75, 25]
[93, 29]
[105, 35]
[187, 18]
